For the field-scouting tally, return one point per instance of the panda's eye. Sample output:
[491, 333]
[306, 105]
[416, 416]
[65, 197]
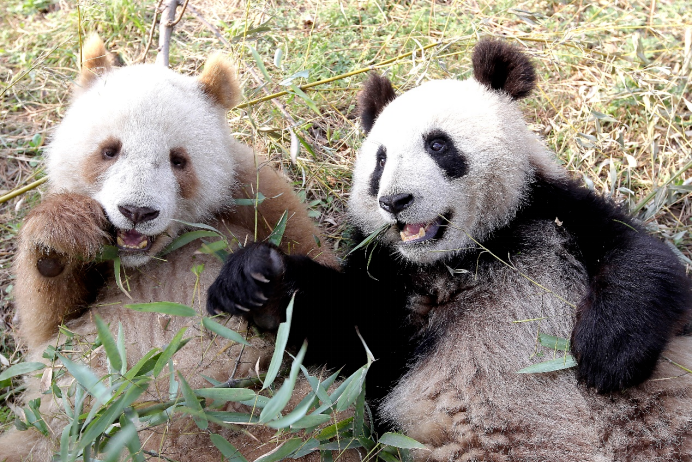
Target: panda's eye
[179, 158]
[110, 149]
[438, 145]
[381, 162]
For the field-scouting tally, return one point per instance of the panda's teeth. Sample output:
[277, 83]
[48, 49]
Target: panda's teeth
[407, 235]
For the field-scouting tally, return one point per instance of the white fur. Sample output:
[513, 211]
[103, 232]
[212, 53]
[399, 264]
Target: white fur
[487, 129]
[151, 110]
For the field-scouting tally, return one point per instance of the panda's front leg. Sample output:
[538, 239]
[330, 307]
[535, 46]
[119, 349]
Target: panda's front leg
[56, 242]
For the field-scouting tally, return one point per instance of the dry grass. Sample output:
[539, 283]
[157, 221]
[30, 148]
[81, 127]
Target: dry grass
[614, 98]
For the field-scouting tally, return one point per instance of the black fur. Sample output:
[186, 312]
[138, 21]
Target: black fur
[376, 94]
[380, 159]
[448, 158]
[501, 66]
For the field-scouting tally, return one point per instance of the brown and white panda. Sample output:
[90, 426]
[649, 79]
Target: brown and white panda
[141, 150]
[485, 243]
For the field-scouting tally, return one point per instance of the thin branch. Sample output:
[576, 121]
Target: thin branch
[180, 16]
[151, 32]
[168, 15]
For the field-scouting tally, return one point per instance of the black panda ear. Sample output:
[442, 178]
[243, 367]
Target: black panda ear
[376, 94]
[502, 66]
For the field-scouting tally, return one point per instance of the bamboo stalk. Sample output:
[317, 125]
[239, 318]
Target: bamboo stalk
[22, 190]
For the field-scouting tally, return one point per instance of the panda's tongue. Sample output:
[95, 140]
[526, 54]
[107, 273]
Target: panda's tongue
[132, 240]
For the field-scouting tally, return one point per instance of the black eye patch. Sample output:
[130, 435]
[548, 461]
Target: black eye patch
[442, 149]
[380, 160]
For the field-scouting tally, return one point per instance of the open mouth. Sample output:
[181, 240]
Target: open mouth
[411, 233]
[133, 241]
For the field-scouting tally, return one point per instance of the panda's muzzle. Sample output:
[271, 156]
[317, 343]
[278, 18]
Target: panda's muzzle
[131, 240]
[395, 203]
[411, 233]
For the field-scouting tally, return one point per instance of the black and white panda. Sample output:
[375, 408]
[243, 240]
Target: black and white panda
[482, 230]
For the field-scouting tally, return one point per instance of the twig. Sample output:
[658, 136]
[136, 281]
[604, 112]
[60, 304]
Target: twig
[338, 77]
[151, 32]
[17, 192]
[168, 15]
[180, 16]
[655, 190]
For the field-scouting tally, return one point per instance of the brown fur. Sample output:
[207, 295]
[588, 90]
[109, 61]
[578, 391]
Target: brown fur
[186, 176]
[96, 61]
[98, 163]
[56, 284]
[216, 83]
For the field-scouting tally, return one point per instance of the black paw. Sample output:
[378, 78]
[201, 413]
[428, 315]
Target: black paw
[611, 364]
[249, 284]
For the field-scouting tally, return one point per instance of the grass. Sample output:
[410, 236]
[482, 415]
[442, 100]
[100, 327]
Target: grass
[614, 98]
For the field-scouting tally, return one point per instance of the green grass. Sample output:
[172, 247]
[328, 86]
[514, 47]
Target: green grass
[614, 96]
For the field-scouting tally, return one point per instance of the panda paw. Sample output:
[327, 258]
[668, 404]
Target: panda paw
[608, 368]
[63, 228]
[248, 284]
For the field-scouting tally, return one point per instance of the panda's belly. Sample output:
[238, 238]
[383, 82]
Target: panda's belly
[465, 399]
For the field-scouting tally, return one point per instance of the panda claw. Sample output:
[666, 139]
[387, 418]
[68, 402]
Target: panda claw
[259, 277]
[242, 308]
[261, 297]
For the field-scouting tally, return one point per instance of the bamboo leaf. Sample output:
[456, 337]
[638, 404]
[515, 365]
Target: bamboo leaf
[193, 403]
[87, 379]
[230, 453]
[400, 441]
[309, 102]
[174, 309]
[555, 343]
[549, 366]
[108, 342]
[282, 451]
[279, 346]
[260, 64]
[187, 238]
[278, 231]
[226, 394]
[223, 331]
[21, 369]
[174, 345]
[282, 397]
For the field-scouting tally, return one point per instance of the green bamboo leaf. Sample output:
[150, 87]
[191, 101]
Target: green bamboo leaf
[372, 236]
[340, 445]
[21, 369]
[252, 201]
[174, 309]
[400, 441]
[108, 342]
[226, 394]
[193, 403]
[555, 343]
[308, 446]
[232, 417]
[549, 366]
[133, 444]
[282, 397]
[121, 350]
[260, 64]
[101, 423]
[278, 231]
[282, 451]
[118, 442]
[187, 238]
[224, 331]
[312, 420]
[119, 281]
[230, 453]
[295, 415]
[353, 390]
[199, 225]
[309, 102]
[279, 346]
[332, 430]
[108, 252]
[87, 379]
[172, 348]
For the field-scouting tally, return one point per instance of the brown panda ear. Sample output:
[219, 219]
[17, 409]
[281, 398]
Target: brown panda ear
[96, 61]
[218, 81]
[501, 66]
[376, 94]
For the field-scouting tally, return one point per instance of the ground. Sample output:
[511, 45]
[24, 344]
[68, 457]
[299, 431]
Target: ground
[613, 100]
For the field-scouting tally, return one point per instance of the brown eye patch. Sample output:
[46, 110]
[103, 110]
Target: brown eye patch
[101, 159]
[185, 173]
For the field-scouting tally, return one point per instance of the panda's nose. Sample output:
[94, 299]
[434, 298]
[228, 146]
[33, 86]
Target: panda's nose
[396, 202]
[138, 214]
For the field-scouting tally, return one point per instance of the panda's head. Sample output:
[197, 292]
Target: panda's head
[150, 145]
[448, 162]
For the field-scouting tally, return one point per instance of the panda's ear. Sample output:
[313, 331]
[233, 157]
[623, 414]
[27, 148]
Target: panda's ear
[218, 81]
[376, 94]
[501, 66]
[96, 61]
